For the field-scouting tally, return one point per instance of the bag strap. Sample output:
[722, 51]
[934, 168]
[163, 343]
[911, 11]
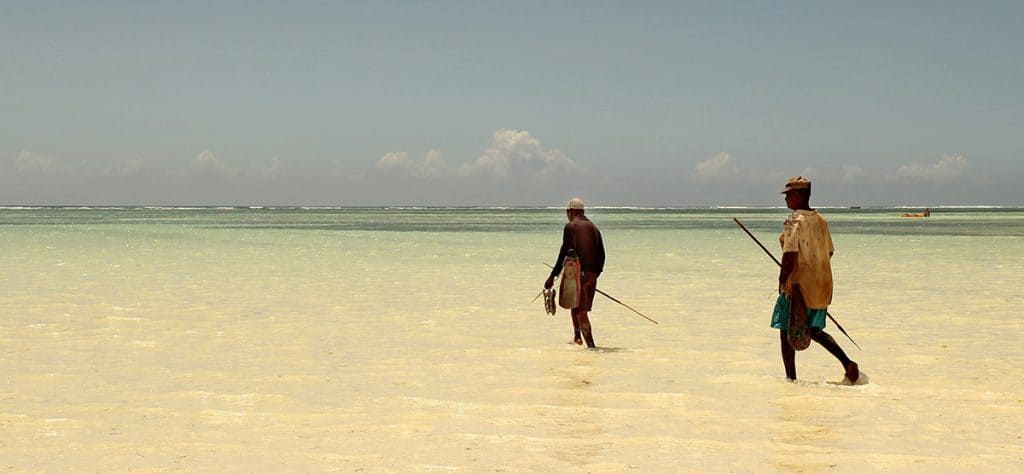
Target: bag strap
[576, 246]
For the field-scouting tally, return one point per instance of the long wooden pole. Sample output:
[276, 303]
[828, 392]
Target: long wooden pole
[626, 305]
[538, 296]
[777, 262]
[617, 301]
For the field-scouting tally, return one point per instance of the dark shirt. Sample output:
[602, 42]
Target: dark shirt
[582, 235]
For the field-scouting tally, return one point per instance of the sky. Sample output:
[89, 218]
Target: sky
[482, 103]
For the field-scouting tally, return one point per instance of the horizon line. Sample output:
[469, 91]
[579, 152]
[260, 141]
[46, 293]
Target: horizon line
[473, 206]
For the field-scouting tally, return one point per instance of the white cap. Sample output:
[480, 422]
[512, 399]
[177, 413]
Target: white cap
[575, 203]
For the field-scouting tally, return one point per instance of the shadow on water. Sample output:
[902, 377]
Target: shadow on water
[602, 349]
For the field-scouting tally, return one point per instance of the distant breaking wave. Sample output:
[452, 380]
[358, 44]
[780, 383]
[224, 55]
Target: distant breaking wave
[502, 208]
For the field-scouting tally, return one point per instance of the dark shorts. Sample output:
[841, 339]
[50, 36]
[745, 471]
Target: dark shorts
[588, 288]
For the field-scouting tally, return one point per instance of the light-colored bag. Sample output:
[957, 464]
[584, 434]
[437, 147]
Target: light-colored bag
[569, 287]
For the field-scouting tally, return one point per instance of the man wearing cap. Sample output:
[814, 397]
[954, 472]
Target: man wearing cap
[582, 235]
[805, 281]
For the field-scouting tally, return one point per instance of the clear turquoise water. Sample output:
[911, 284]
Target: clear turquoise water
[405, 340]
[877, 221]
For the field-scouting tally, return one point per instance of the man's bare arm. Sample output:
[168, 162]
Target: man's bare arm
[789, 262]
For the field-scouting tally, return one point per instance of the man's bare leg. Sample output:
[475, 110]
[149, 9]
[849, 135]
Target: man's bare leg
[850, 368]
[576, 328]
[788, 355]
[584, 321]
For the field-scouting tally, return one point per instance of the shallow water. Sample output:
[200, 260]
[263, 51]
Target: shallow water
[405, 340]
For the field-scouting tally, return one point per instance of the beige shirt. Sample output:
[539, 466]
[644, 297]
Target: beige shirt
[806, 233]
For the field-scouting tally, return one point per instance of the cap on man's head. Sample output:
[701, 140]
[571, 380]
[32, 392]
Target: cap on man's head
[575, 203]
[795, 183]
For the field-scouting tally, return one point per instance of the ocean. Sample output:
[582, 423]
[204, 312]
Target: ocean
[405, 340]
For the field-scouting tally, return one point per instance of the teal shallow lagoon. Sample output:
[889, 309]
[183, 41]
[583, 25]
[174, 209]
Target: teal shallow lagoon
[404, 340]
[995, 221]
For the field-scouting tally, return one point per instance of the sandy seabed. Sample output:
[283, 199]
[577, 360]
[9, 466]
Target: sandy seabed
[160, 349]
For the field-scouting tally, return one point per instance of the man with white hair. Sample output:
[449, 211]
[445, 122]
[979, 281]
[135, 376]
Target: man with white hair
[581, 235]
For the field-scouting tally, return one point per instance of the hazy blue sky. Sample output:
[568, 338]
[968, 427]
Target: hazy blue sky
[510, 103]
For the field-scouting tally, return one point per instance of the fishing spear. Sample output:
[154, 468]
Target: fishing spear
[777, 262]
[606, 295]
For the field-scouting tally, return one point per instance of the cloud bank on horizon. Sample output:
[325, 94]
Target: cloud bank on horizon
[512, 160]
[511, 154]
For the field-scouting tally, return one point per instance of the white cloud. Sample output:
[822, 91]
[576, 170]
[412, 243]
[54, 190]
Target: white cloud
[264, 170]
[511, 153]
[722, 165]
[515, 153]
[392, 160]
[950, 166]
[433, 164]
[124, 169]
[28, 161]
[207, 162]
[852, 173]
[339, 171]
